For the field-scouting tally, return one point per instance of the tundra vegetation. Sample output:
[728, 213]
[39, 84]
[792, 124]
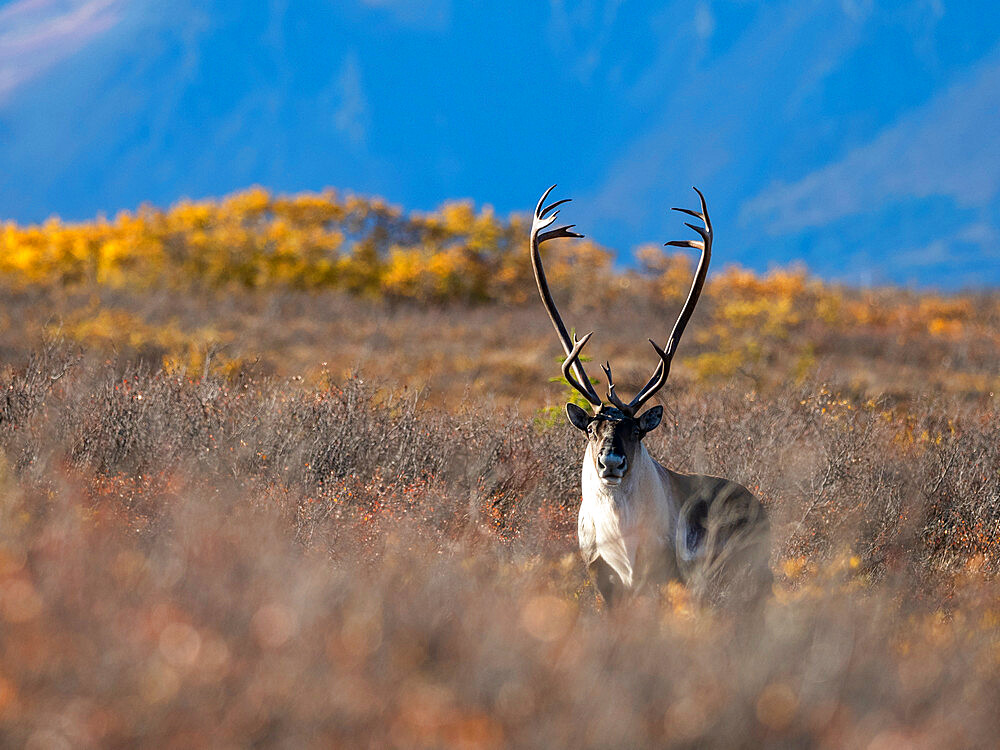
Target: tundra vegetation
[289, 471]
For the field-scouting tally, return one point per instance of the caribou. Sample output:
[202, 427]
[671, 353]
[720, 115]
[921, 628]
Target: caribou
[642, 524]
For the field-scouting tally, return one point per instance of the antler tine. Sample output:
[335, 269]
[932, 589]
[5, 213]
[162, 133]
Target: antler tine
[541, 202]
[553, 205]
[572, 358]
[572, 347]
[612, 396]
[659, 377]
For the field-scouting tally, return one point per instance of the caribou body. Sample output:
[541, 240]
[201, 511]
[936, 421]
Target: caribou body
[640, 523]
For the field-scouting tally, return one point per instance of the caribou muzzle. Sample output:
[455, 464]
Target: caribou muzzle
[611, 467]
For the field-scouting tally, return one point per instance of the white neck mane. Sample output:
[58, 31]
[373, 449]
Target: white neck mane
[615, 520]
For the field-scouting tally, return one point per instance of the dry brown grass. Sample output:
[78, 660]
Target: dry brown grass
[236, 513]
[211, 562]
[504, 355]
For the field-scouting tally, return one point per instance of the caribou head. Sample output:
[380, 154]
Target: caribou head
[616, 429]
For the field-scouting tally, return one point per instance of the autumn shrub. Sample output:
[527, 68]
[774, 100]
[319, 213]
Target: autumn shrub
[255, 283]
[289, 471]
[204, 562]
[829, 467]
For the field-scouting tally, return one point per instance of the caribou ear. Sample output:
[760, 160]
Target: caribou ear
[577, 416]
[650, 419]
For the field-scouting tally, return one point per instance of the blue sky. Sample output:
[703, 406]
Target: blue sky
[860, 137]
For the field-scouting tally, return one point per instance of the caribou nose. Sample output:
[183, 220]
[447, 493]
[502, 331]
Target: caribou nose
[610, 461]
[611, 464]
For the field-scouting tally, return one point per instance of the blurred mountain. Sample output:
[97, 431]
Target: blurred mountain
[194, 100]
[857, 138]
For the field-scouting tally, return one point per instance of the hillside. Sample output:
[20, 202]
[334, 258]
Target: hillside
[281, 284]
[294, 471]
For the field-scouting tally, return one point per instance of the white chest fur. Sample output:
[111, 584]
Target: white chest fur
[616, 521]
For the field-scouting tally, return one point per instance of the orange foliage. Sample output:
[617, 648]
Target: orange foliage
[459, 253]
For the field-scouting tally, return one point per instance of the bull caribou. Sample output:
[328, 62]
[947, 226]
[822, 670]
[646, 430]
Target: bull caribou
[641, 523]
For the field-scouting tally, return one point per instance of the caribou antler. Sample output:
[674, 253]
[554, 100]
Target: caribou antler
[573, 346]
[573, 359]
[659, 377]
[612, 396]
